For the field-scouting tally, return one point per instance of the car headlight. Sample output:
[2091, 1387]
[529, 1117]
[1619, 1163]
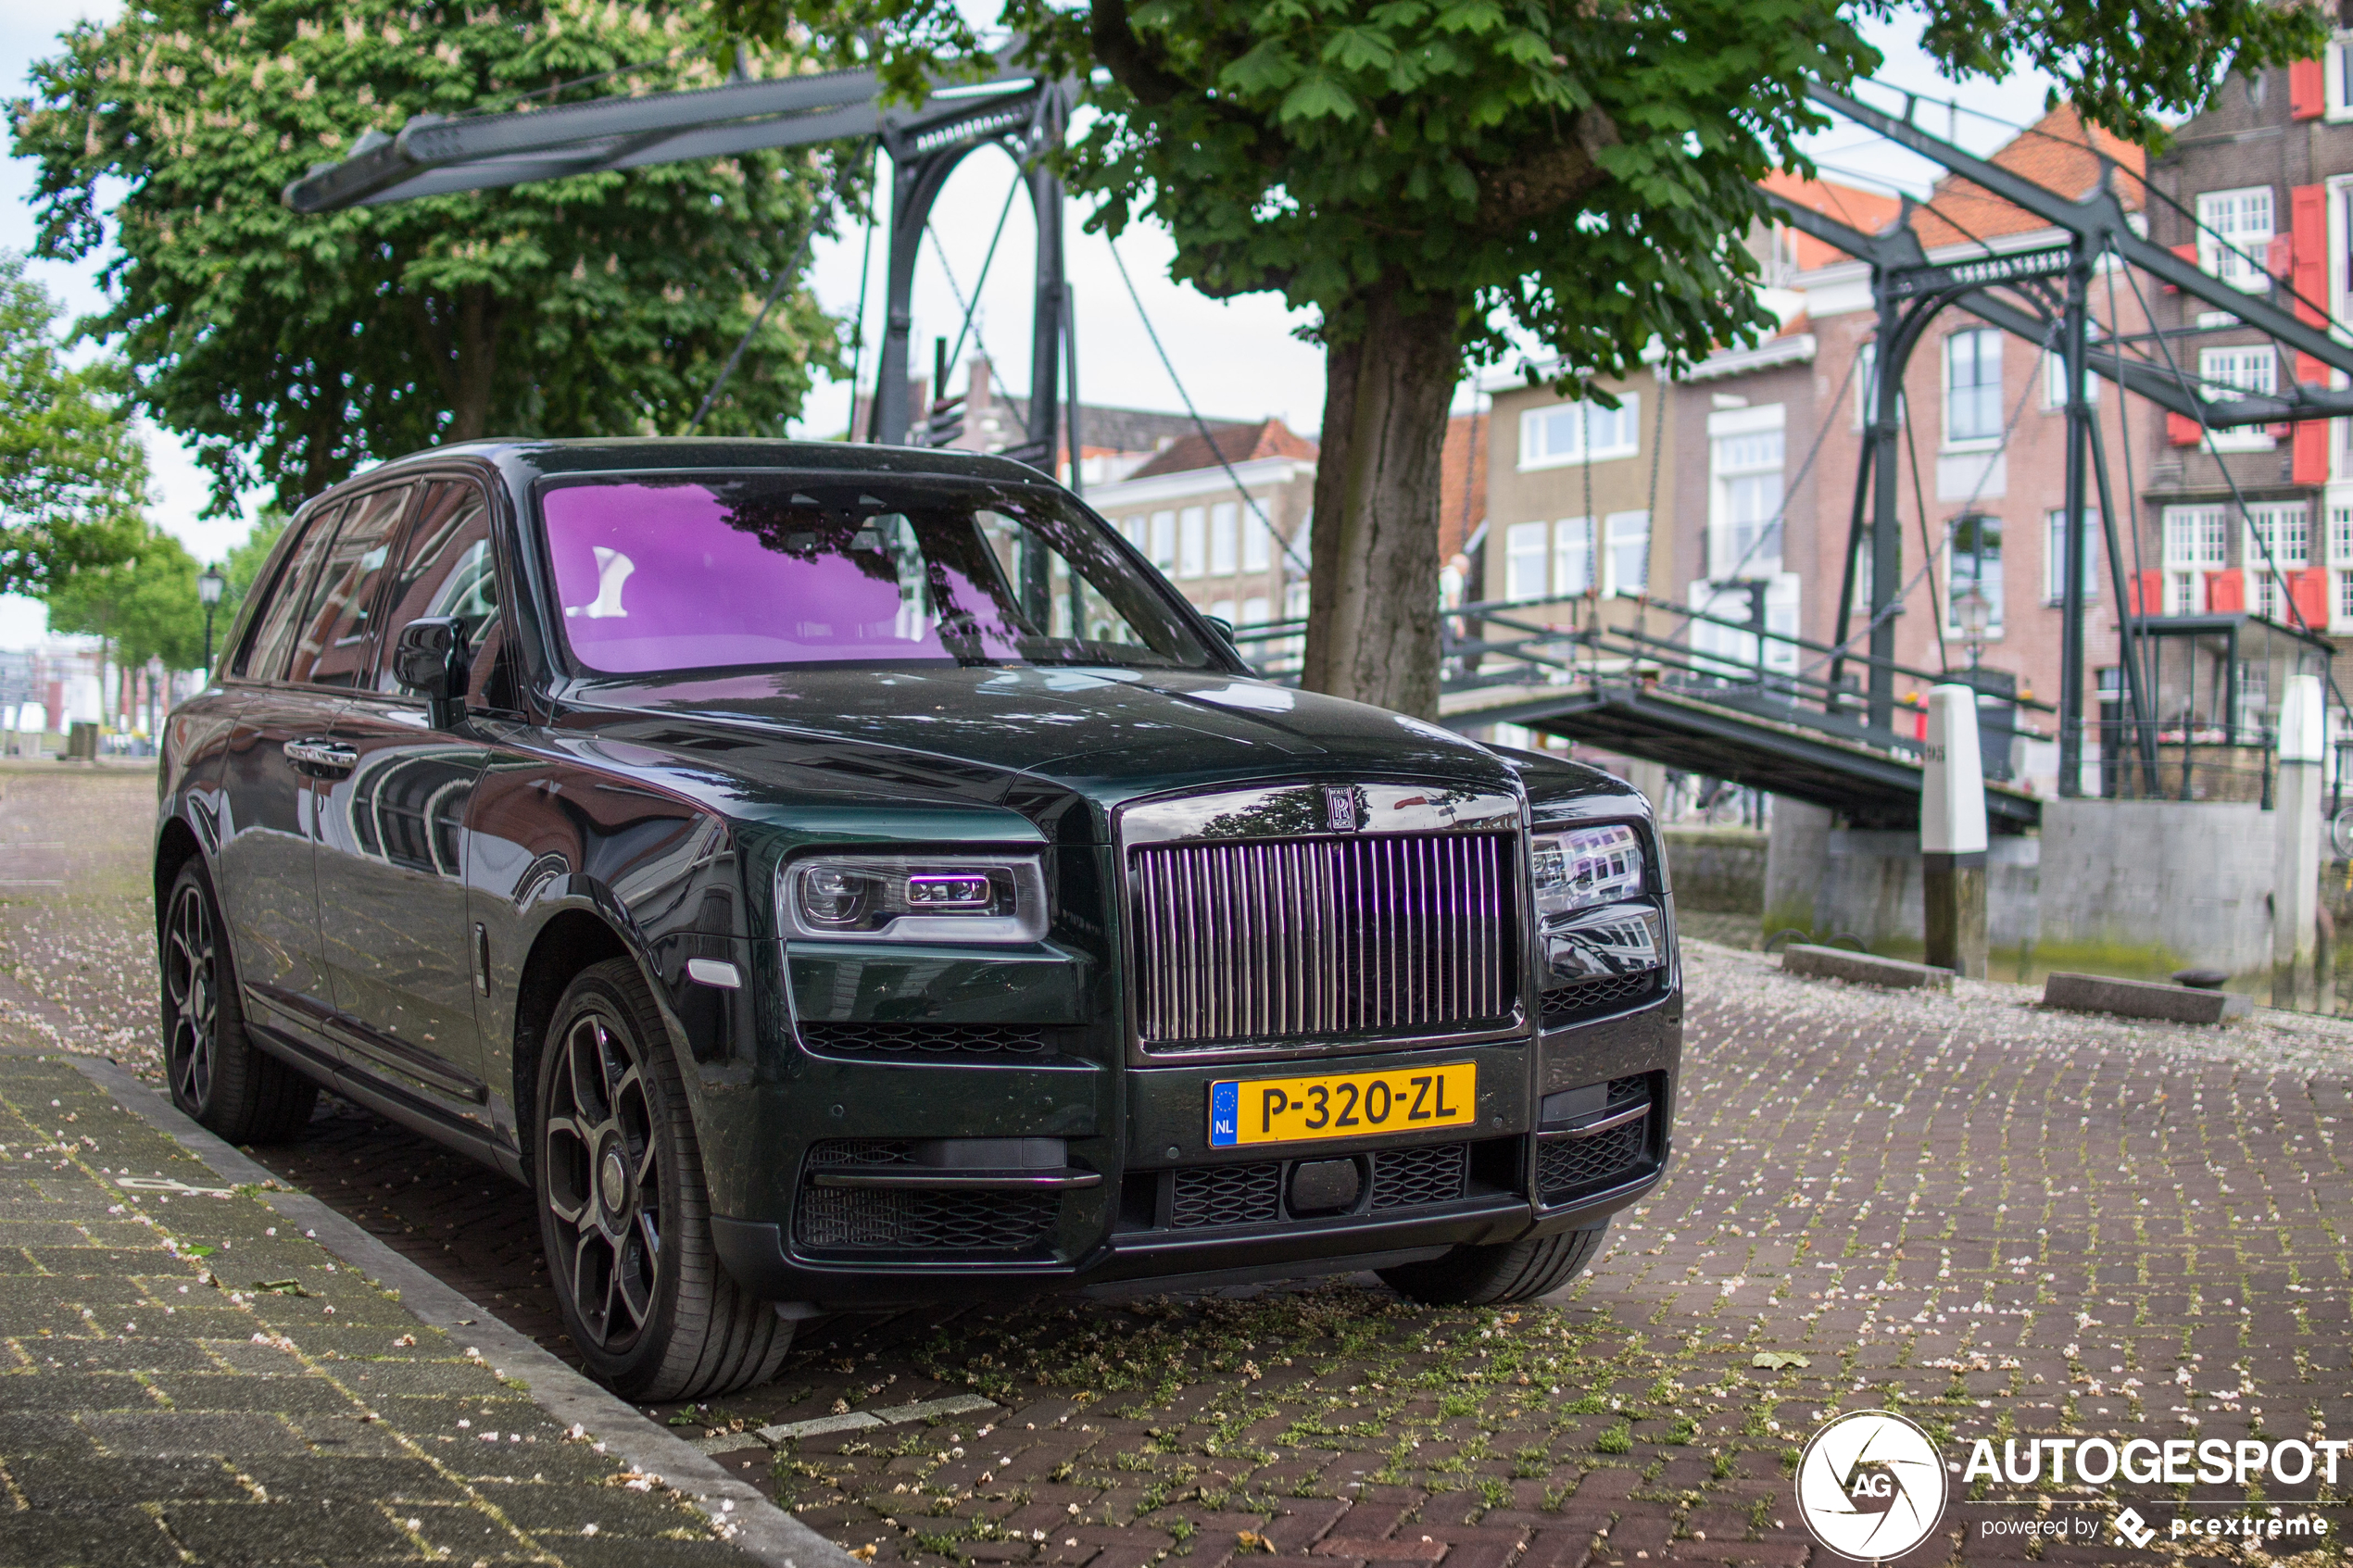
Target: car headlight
[1584, 867]
[993, 898]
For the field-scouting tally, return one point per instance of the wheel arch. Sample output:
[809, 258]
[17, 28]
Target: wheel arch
[176, 845]
[570, 941]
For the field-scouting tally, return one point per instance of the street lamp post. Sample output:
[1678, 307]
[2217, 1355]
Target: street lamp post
[1973, 617]
[209, 585]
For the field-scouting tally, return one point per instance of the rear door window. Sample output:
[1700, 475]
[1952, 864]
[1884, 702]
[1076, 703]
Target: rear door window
[339, 620]
[264, 655]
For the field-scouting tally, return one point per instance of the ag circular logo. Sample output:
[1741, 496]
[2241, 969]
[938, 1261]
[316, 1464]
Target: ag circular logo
[1871, 1485]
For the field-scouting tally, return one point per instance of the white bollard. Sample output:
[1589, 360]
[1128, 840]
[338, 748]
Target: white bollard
[1953, 840]
[2296, 825]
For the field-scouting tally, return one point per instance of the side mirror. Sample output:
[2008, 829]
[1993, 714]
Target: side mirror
[433, 661]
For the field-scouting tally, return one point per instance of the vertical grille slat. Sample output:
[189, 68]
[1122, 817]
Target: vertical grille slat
[1270, 940]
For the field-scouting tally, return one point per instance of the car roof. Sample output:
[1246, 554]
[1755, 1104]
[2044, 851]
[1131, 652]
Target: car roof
[528, 457]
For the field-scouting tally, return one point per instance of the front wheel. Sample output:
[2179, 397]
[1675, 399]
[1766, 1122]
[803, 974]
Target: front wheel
[623, 1214]
[1489, 1277]
[218, 1074]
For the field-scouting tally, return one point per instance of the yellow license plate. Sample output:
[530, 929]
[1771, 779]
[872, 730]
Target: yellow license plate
[1341, 1105]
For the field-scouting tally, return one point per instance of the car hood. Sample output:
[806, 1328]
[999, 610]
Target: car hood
[1021, 736]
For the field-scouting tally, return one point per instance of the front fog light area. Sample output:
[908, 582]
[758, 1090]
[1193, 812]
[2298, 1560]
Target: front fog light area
[906, 898]
[1593, 914]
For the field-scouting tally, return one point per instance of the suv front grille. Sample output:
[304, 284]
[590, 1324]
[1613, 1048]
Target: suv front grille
[1403, 1177]
[1261, 940]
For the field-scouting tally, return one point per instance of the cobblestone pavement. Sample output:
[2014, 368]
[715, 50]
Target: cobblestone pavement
[2004, 1223]
[181, 1383]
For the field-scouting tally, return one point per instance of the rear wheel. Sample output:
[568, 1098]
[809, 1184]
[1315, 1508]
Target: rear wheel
[1487, 1276]
[623, 1214]
[218, 1075]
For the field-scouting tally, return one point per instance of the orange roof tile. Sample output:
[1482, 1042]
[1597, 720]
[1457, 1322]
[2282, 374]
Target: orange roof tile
[2056, 153]
[1461, 482]
[1237, 444]
[1867, 211]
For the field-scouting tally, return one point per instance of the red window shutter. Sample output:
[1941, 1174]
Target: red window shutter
[2187, 252]
[2225, 592]
[2311, 466]
[2182, 430]
[2279, 253]
[2144, 594]
[2306, 91]
[2309, 220]
[2308, 591]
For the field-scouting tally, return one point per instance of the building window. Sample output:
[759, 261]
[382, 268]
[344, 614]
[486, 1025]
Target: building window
[1744, 459]
[1222, 610]
[1253, 611]
[1258, 542]
[1192, 542]
[2054, 554]
[1224, 540]
[2054, 376]
[1523, 560]
[1573, 555]
[2224, 372]
[1973, 386]
[1626, 560]
[1973, 560]
[1576, 432]
[2278, 540]
[1138, 530]
[2234, 229]
[2197, 540]
[1165, 540]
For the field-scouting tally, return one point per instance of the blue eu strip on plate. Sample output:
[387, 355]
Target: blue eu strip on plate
[1224, 1114]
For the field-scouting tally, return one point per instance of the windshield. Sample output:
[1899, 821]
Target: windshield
[716, 571]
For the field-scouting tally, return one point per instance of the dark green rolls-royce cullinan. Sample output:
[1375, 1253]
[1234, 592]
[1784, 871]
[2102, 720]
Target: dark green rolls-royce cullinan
[837, 877]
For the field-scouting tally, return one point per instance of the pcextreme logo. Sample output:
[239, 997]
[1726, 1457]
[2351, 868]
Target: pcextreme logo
[1871, 1485]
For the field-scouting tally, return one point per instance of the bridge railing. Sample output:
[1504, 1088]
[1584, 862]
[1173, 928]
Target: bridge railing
[1592, 640]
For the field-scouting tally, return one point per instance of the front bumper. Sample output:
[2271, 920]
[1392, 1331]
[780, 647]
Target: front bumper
[1139, 1194]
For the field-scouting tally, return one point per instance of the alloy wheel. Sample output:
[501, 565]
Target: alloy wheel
[604, 1182]
[192, 991]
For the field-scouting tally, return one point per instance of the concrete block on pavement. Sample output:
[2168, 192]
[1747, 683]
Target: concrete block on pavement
[2142, 998]
[1837, 963]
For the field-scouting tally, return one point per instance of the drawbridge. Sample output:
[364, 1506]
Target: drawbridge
[1705, 695]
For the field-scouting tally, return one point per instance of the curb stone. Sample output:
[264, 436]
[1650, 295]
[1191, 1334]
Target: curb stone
[759, 1529]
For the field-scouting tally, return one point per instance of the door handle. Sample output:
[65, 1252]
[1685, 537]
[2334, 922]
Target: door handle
[322, 758]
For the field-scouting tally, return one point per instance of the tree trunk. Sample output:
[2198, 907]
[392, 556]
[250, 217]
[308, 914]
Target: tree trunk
[477, 355]
[1372, 618]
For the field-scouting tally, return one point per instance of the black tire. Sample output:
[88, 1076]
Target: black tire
[1489, 1277]
[218, 1074]
[624, 1217]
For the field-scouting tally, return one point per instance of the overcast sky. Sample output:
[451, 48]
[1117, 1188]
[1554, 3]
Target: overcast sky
[1239, 358]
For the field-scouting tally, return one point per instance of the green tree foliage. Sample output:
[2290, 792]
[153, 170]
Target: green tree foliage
[1447, 182]
[73, 471]
[293, 349]
[145, 607]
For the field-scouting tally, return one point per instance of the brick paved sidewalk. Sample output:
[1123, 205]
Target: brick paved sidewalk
[184, 1380]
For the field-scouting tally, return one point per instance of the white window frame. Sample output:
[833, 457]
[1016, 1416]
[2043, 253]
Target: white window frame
[2333, 75]
[1254, 610]
[2245, 366]
[2288, 525]
[1163, 548]
[2055, 378]
[1224, 540]
[2054, 554]
[1193, 542]
[1625, 531]
[1573, 542]
[1258, 543]
[1528, 547]
[2194, 541]
[2236, 256]
[2000, 597]
[1623, 433]
[1728, 425]
[1979, 336]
